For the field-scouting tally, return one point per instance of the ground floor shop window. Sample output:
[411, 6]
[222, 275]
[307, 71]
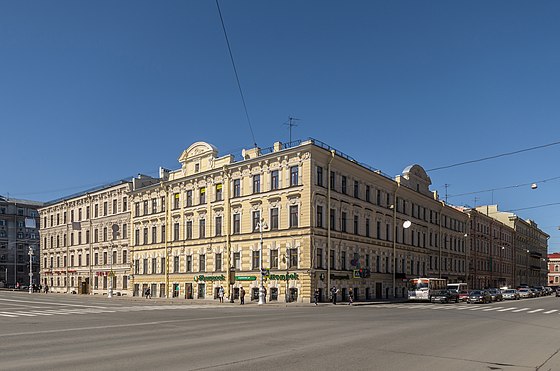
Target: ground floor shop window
[153, 289]
[136, 290]
[176, 290]
[188, 291]
[201, 290]
[293, 294]
[162, 290]
[273, 294]
[368, 294]
[236, 293]
[255, 293]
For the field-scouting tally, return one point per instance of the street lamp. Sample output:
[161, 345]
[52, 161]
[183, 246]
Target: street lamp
[30, 253]
[261, 226]
[115, 228]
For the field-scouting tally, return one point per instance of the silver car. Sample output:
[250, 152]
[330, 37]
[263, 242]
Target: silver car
[510, 294]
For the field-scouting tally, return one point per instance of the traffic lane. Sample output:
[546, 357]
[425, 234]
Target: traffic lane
[399, 337]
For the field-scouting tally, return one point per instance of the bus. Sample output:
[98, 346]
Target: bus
[421, 289]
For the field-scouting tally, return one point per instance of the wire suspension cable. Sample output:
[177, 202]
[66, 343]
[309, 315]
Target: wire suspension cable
[495, 156]
[506, 187]
[235, 71]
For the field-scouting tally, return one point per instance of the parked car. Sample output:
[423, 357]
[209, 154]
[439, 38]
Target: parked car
[558, 292]
[445, 296]
[534, 292]
[496, 294]
[479, 296]
[510, 294]
[463, 295]
[525, 293]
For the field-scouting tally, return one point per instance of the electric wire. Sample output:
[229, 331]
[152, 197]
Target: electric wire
[502, 188]
[236, 74]
[493, 157]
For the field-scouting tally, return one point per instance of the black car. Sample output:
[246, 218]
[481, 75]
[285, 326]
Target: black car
[496, 294]
[479, 296]
[445, 296]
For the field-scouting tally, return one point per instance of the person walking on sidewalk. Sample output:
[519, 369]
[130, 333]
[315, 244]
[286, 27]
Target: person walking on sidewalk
[148, 294]
[316, 296]
[350, 297]
[242, 296]
[221, 294]
[334, 291]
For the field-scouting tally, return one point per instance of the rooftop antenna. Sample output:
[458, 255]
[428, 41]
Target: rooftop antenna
[446, 186]
[290, 124]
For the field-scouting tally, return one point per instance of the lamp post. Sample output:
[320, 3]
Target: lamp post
[110, 289]
[30, 253]
[262, 225]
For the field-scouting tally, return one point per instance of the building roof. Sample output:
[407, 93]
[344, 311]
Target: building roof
[91, 190]
[554, 255]
[21, 201]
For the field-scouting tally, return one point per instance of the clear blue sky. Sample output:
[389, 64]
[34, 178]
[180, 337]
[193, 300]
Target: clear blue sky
[91, 92]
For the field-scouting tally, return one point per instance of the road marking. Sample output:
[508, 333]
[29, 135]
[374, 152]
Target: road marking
[520, 310]
[551, 311]
[20, 314]
[7, 315]
[535, 311]
[505, 310]
[54, 303]
[476, 308]
[489, 309]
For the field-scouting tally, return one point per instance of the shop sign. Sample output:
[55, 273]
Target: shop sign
[245, 278]
[209, 278]
[282, 277]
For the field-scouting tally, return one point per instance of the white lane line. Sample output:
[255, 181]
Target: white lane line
[535, 311]
[7, 315]
[551, 311]
[476, 308]
[19, 314]
[505, 310]
[39, 313]
[520, 310]
[493, 308]
[53, 303]
[468, 307]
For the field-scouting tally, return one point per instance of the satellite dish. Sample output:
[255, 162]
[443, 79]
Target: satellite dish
[407, 224]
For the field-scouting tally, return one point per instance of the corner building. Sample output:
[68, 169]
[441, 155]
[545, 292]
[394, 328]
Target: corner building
[84, 241]
[325, 217]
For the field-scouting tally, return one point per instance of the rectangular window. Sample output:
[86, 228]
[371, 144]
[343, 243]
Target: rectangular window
[256, 183]
[202, 263]
[202, 196]
[124, 204]
[294, 217]
[333, 180]
[115, 209]
[319, 176]
[136, 209]
[145, 266]
[163, 267]
[319, 260]
[274, 180]
[202, 228]
[218, 262]
[237, 260]
[175, 231]
[343, 260]
[332, 219]
[343, 221]
[154, 266]
[162, 203]
[319, 220]
[189, 263]
[124, 257]
[236, 223]
[256, 220]
[176, 203]
[274, 218]
[145, 207]
[293, 258]
[294, 176]
[136, 237]
[356, 189]
[105, 208]
[154, 205]
[154, 234]
[176, 264]
[331, 257]
[368, 193]
[343, 184]
[218, 226]
[219, 193]
[189, 198]
[274, 259]
[236, 187]
[256, 260]
[189, 230]
[145, 242]
[368, 234]
[163, 236]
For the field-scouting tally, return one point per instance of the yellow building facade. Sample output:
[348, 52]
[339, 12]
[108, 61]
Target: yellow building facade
[328, 220]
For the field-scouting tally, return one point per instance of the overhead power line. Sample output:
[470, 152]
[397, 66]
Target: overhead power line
[495, 156]
[502, 188]
[236, 74]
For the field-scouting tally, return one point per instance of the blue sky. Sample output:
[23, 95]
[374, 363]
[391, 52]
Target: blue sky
[91, 92]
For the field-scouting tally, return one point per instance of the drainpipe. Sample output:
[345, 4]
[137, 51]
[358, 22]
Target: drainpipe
[329, 222]
[395, 240]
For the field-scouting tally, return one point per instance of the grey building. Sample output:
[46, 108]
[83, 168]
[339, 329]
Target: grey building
[19, 233]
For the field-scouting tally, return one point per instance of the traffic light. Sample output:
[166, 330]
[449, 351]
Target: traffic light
[265, 272]
[357, 273]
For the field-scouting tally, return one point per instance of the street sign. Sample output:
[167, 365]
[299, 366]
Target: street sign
[245, 278]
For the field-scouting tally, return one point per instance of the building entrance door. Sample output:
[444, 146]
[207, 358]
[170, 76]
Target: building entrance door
[188, 291]
[378, 290]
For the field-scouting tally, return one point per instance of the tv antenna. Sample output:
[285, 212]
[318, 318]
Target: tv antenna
[291, 124]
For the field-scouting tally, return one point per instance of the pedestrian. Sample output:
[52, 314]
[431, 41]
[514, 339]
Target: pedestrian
[316, 296]
[242, 296]
[46, 289]
[221, 294]
[350, 297]
[334, 291]
[148, 294]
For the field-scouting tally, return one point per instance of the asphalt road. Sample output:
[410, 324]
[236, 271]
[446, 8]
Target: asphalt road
[69, 332]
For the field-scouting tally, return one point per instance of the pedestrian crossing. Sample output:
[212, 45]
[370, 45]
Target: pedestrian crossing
[20, 313]
[472, 308]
